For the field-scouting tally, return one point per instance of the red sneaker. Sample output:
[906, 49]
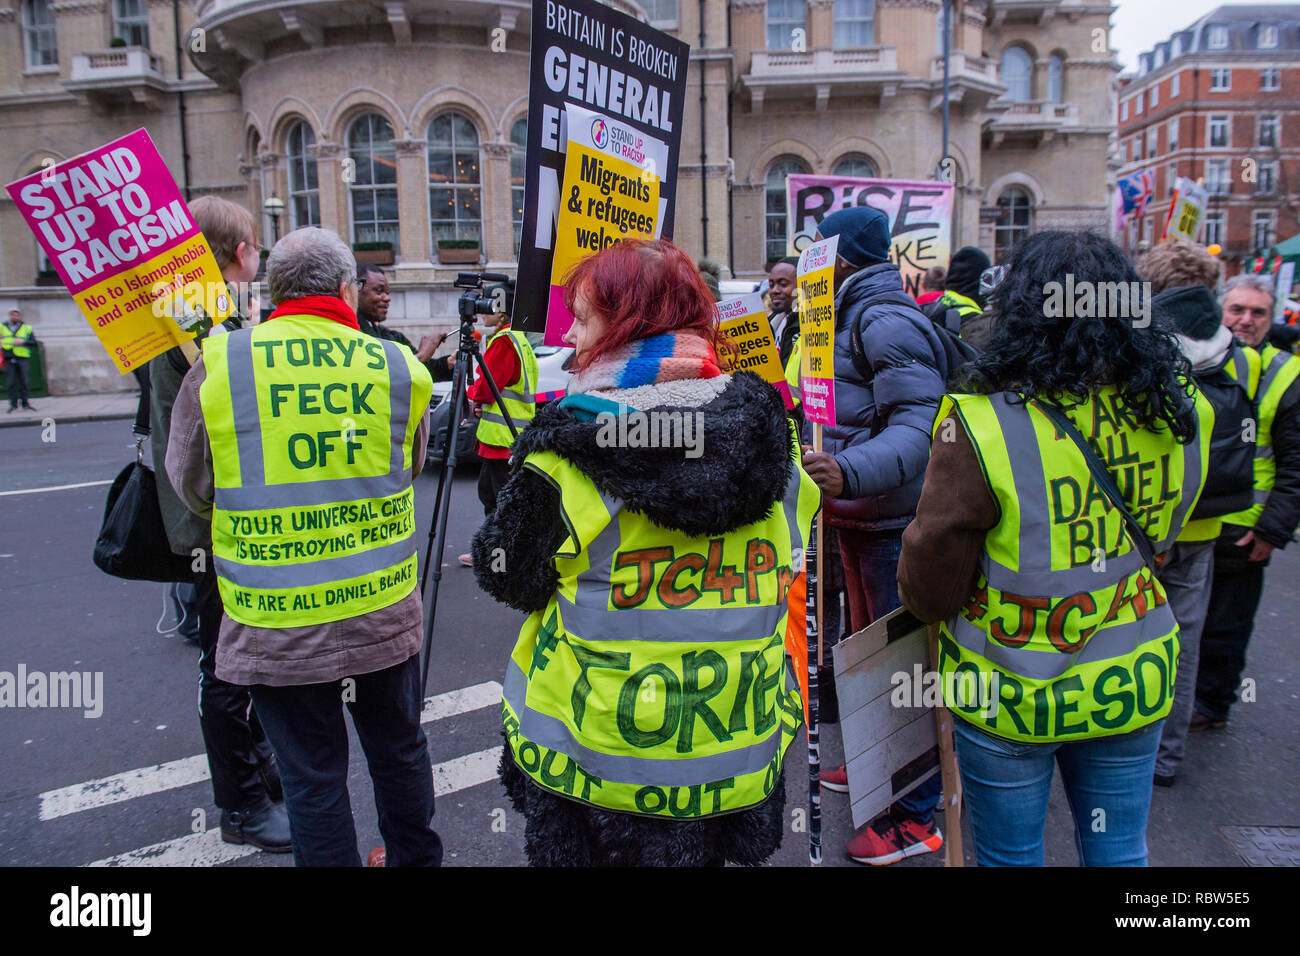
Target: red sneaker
[378, 857]
[837, 780]
[888, 840]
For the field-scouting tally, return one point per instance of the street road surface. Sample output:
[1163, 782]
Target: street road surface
[130, 787]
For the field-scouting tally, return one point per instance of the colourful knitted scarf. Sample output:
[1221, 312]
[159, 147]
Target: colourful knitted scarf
[662, 358]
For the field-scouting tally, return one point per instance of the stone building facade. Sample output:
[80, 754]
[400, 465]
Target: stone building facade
[403, 122]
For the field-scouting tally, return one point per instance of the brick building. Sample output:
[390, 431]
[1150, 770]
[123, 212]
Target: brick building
[1219, 102]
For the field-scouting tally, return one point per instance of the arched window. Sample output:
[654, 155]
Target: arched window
[775, 213]
[855, 165]
[39, 35]
[455, 194]
[1017, 74]
[783, 18]
[131, 22]
[1056, 78]
[1015, 209]
[304, 194]
[374, 185]
[854, 22]
[518, 156]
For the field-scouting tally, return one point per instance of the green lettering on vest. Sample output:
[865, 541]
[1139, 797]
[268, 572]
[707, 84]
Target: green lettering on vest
[587, 659]
[296, 355]
[1058, 505]
[1141, 688]
[1102, 718]
[691, 808]
[695, 697]
[1009, 704]
[1059, 688]
[631, 693]
[642, 798]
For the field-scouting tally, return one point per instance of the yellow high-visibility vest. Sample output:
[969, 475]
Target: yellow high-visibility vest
[1066, 615]
[654, 680]
[311, 425]
[8, 338]
[1280, 372]
[519, 396]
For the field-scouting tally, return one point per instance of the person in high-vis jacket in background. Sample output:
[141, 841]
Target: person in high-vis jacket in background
[16, 340]
[300, 439]
[1227, 372]
[648, 703]
[1250, 536]
[1057, 643]
[510, 361]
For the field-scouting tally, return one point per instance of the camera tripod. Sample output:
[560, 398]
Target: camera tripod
[470, 305]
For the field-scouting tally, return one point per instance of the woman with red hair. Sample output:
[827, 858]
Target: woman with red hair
[654, 520]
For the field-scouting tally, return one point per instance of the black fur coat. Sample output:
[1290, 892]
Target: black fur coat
[738, 479]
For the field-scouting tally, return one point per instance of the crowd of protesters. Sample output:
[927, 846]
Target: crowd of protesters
[654, 582]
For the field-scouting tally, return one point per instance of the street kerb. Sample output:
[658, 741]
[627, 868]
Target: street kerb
[890, 750]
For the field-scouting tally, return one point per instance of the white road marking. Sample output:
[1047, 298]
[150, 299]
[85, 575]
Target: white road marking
[191, 770]
[37, 491]
[461, 773]
[208, 849]
[197, 849]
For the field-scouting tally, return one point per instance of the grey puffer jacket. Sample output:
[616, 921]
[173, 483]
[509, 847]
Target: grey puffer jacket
[881, 436]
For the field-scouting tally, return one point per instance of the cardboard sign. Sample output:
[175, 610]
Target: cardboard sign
[611, 192]
[113, 224]
[888, 750]
[920, 217]
[816, 280]
[1186, 210]
[587, 54]
[744, 321]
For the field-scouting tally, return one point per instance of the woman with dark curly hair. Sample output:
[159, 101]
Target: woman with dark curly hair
[1067, 466]
[653, 523]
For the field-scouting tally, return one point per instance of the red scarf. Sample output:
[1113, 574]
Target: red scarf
[325, 306]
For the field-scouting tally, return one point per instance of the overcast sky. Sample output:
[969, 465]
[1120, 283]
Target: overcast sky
[1138, 25]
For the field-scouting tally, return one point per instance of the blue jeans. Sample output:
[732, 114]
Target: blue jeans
[874, 555]
[306, 730]
[1006, 783]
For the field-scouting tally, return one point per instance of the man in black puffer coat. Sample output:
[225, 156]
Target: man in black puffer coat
[890, 369]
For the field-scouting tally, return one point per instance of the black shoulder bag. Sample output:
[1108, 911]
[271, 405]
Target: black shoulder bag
[1104, 481]
[132, 542]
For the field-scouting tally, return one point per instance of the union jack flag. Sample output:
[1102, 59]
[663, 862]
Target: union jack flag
[1135, 192]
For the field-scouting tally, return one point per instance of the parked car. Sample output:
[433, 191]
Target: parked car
[440, 421]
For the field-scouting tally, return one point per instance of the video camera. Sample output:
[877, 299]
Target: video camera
[478, 299]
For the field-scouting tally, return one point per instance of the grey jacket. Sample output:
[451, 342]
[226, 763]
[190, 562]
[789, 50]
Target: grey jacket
[881, 436]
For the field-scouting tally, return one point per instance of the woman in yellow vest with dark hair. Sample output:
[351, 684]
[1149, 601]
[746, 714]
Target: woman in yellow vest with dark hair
[1057, 645]
[653, 523]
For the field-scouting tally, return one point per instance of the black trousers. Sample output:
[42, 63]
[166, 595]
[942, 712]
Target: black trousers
[493, 474]
[1234, 598]
[306, 725]
[232, 735]
[16, 369]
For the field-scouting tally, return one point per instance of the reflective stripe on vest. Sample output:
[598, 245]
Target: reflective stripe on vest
[311, 433]
[654, 681]
[1067, 617]
[518, 396]
[9, 336]
[1281, 369]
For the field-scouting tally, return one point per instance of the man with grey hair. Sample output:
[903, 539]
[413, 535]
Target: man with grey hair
[1242, 550]
[299, 439]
